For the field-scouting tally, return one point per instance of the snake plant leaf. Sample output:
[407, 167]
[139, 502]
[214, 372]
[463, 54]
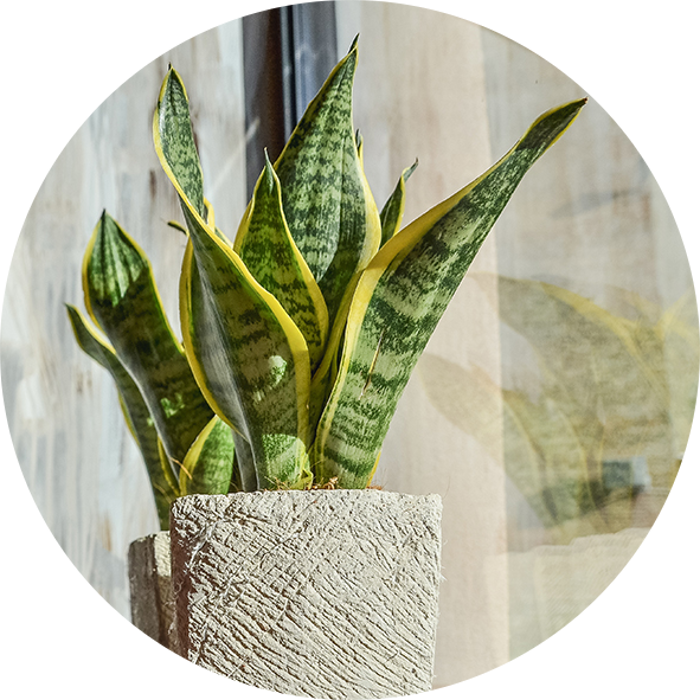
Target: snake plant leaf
[176, 148]
[136, 413]
[122, 298]
[326, 373]
[392, 212]
[178, 152]
[249, 357]
[208, 465]
[245, 477]
[326, 199]
[399, 300]
[167, 466]
[269, 252]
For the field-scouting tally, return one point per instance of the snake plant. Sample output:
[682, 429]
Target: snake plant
[300, 333]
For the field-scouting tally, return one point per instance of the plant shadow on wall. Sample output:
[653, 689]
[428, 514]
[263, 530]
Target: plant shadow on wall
[592, 443]
[300, 334]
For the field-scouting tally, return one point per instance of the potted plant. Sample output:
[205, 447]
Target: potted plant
[262, 429]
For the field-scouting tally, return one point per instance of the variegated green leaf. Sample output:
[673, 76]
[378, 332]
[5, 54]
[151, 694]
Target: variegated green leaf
[329, 208]
[245, 477]
[178, 154]
[166, 466]
[135, 411]
[269, 252]
[208, 465]
[250, 359]
[122, 298]
[399, 300]
[326, 373]
[392, 212]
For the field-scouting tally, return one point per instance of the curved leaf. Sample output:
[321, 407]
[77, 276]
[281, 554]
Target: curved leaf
[400, 298]
[249, 358]
[122, 298]
[392, 212]
[245, 477]
[269, 252]
[136, 414]
[178, 153]
[208, 465]
[329, 207]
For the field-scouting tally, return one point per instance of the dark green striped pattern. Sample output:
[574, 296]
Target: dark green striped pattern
[237, 407]
[392, 212]
[329, 209]
[235, 342]
[179, 150]
[270, 254]
[208, 465]
[135, 411]
[242, 355]
[121, 295]
[414, 289]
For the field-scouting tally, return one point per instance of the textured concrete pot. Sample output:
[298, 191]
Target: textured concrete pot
[151, 589]
[328, 594]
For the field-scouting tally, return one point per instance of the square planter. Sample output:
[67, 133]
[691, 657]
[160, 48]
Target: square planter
[151, 588]
[329, 594]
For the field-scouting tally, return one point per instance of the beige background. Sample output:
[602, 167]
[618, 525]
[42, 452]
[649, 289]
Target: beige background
[589, 213]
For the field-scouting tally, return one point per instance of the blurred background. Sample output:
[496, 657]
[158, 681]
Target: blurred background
[550, 410]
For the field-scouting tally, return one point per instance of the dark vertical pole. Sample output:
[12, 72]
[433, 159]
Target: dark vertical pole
[309, 53]
[288, 84]
[287, 54]
[264, 101]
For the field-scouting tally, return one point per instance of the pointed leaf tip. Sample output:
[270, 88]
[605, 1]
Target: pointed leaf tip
[547, 129]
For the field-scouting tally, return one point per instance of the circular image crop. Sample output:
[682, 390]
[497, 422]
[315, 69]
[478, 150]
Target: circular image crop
[350, 246]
